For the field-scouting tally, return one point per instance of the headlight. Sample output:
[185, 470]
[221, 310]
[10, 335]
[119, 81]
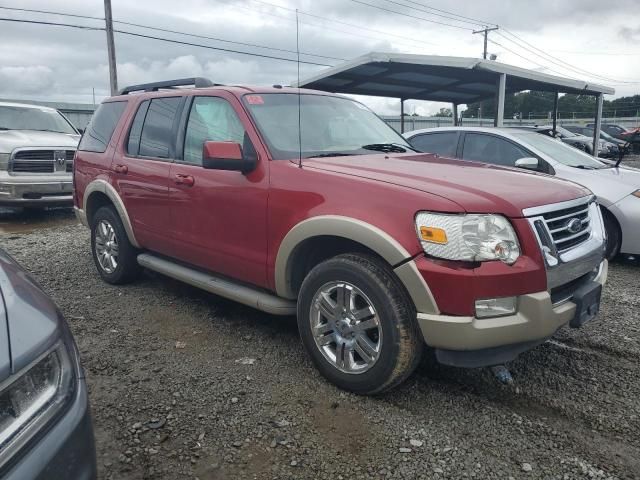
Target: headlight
[30, 398]
[468, 237]
[4, 161]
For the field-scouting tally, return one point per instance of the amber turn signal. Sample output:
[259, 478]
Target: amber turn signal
[433, 235]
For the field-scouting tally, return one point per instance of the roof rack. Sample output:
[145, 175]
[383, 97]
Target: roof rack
[198, 82]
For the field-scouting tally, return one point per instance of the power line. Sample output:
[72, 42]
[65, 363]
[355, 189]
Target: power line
[152, 37]
[171, 31]
[410, 16]
[434, 14]
[557, 61]
[473, 20]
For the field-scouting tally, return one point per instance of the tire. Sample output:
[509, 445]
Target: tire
[614, 235]
[118, 263]
[391, 350]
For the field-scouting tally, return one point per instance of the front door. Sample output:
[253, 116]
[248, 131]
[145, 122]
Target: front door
[219, 218]
[141, 170]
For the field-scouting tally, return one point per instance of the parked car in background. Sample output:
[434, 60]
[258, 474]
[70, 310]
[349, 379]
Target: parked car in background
[616, 131]
[45, 423]
[377, 248]
[617, 189]
[588, 132]
[581, 142]
[37, 145]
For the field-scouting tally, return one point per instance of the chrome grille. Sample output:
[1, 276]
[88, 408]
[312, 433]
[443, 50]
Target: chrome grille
[569, 227]
[40, 161]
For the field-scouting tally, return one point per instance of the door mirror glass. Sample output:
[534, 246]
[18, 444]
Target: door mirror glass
[530, 163]
[225, 156]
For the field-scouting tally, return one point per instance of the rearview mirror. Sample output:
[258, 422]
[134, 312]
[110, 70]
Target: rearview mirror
[225, 156]
[530, 163]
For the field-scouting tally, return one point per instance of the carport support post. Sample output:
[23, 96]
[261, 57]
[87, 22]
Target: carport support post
[500, 94]
[596, 130]
[455, 114]
[401, 115]
[555, 113]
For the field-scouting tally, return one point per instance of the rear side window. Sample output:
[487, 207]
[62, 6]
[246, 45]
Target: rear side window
[157, 138]
[133, 144]
[444, 144]
[490, 149]
[99, 131]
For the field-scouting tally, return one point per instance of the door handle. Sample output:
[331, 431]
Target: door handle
[121, 169]
[186, 180]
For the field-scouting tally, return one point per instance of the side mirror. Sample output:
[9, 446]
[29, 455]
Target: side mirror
[225, 156]
[530, 163]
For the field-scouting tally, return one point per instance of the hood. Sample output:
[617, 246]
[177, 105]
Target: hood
[476, 187]
[579, 139]
[32, 321]
[609, 184]
[10, 139]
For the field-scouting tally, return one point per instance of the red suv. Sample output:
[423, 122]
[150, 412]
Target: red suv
[378, 249]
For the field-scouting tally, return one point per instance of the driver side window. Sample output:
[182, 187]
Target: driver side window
[491, 149]
[210, 119]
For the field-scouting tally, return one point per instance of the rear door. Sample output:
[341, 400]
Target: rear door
[440, 143]
[219, 217]
[141, 169]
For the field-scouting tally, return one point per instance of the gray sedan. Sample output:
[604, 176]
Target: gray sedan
[617, 188]
[45, 423]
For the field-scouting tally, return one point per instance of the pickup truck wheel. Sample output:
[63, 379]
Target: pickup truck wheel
[113, 254]
[358, 324]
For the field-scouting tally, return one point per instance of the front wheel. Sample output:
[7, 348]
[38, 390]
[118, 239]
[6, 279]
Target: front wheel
[358, 324]
[614, 235]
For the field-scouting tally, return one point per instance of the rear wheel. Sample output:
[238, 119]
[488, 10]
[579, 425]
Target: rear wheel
[614, 235]
[113, 254]
[358, 324]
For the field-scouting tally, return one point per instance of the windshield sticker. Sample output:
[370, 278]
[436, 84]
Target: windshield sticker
[254, 100]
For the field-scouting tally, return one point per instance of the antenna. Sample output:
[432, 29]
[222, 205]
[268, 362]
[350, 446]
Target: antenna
[298, 84]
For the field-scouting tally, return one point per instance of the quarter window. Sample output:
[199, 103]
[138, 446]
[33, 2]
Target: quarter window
[443, 144]
[133, 144]
[157, 139]
[99, 131]
[210, 119]
[491, 149]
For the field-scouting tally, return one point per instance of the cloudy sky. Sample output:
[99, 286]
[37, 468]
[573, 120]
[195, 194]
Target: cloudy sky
[54, 63]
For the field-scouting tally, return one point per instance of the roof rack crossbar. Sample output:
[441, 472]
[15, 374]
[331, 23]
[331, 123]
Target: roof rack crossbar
[198, 82]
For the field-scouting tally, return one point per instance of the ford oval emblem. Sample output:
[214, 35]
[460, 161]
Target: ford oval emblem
[574, 225]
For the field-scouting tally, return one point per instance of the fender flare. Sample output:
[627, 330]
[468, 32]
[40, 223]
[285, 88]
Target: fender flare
[106, 188]
[364, 233]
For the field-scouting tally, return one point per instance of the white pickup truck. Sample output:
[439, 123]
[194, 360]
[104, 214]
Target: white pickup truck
[37, 145]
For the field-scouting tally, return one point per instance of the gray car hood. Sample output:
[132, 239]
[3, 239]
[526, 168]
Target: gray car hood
[10, 139]
[31, 323]
[609, 184]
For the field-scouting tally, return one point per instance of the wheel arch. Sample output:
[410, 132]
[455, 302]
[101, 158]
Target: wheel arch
[100, 193]
[318, 238]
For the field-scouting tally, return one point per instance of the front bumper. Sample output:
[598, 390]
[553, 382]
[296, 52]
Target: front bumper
[32, 190]
[496, 340]
[66, 450]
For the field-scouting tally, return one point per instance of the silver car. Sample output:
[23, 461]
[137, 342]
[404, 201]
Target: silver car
[37, 145]
[617, 188]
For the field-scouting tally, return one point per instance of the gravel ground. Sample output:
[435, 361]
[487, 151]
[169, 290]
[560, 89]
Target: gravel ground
[185, 384]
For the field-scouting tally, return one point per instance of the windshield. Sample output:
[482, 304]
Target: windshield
[33, 118]
[559, 151]
[330, 126]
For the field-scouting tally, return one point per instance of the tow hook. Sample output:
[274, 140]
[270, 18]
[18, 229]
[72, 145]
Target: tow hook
[502, 374]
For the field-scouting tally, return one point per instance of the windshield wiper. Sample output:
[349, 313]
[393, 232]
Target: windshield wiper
[4, 128]
[388, 147]
[332, 154]
[584, 167]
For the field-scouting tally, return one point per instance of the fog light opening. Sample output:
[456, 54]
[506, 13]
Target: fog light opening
[496, 307]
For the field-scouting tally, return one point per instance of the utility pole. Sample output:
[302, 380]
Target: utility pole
[111, 48]
[486, 31]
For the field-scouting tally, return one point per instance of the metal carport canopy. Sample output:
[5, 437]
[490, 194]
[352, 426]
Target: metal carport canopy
[457, 80]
